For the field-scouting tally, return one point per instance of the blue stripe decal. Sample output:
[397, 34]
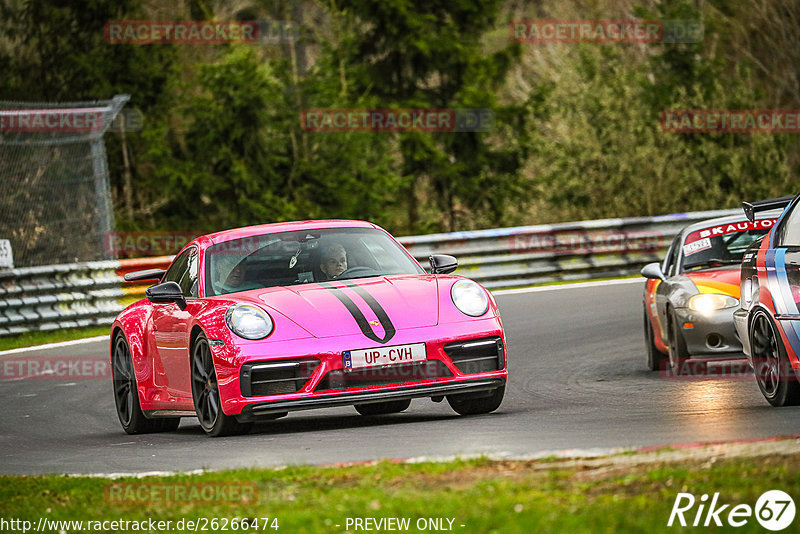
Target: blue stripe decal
[772, 281]
[786, 298]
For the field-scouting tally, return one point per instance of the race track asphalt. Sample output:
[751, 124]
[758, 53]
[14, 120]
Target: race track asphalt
[577, 381]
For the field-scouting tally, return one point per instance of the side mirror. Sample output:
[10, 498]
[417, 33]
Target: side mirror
[443, 264]
[165, 293]
[653, 271]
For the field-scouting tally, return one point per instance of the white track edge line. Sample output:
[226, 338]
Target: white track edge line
[576, 285]
[54, 345]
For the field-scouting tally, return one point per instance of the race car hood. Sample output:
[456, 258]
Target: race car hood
[369, 306]
[724, 280]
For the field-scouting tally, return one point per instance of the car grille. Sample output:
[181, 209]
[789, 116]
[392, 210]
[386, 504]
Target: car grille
[276, 377]
[477, 355]
[380, 376]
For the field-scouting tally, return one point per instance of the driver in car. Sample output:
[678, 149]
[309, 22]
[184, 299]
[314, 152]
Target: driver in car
[236, 280]
[333, 260]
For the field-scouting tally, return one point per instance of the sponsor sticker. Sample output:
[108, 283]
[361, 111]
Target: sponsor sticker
[726, 229]
[697, 246]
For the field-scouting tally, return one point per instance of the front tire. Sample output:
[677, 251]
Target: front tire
[467, 404]
[774, 375]
[383, 408]
[655, 357]
[205, 394]
[126, 394]
[678, 353]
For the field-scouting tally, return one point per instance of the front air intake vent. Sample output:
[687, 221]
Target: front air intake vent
[477, 355]
[382, 376]
[277, 377]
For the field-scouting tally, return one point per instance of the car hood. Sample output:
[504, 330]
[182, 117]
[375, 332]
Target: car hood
[375, 307]
[723, 280]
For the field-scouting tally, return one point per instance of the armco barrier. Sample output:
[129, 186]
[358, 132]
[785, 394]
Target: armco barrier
[65, 296]
[92, 293]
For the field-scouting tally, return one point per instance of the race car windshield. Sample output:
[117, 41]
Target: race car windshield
[302, 257]
[721, 245]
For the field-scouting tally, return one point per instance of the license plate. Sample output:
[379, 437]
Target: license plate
[356, 359]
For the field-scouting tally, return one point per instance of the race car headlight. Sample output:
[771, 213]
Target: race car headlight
[470, 298]
[709, 302]
[248, 321]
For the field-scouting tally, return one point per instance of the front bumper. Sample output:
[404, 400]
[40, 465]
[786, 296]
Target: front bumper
[712, 334]
[252, 412]
[327, 384]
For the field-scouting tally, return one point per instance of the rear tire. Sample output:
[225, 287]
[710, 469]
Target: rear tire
[126, 394]
[205, 394]
[383, 408]
[774, 375]
[467, 404]
[655, 358]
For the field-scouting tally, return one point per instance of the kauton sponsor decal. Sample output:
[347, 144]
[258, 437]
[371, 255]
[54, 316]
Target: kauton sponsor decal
[732, 228]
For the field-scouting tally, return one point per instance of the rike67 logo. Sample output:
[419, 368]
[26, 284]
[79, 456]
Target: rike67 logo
[774, 510]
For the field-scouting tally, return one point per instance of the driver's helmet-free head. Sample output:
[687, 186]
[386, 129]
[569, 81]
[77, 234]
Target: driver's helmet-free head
[229, 270]
[333, 259]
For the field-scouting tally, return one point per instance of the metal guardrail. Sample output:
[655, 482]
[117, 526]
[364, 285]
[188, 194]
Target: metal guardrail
[92, 293]
[524, 255]
[66, 296]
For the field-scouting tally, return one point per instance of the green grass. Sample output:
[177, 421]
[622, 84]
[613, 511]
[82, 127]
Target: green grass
[30, 339]
[484, 496]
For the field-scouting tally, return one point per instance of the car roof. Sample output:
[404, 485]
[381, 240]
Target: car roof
[271, 228]
[728, 219]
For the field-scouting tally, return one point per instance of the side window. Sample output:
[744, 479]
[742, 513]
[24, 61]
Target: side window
[189, 281]
[672, 256]
[184, 270]
[789, 232]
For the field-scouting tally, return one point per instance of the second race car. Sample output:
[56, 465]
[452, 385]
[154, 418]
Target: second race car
[768, 320]
[689, 300]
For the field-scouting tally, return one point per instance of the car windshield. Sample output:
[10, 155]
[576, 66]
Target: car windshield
[723, 244]
[301, 257]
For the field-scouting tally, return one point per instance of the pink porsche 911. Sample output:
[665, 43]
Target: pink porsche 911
[250, 324]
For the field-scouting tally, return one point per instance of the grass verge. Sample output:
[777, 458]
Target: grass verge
[619, 495]
[30, 339]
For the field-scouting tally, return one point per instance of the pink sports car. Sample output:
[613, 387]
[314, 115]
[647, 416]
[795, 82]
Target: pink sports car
[252, 323]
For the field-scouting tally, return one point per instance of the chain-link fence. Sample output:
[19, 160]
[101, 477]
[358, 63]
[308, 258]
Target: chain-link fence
[55, 199]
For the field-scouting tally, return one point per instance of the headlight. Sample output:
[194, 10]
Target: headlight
[469, 298]
[709, 302]
[248, 321]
